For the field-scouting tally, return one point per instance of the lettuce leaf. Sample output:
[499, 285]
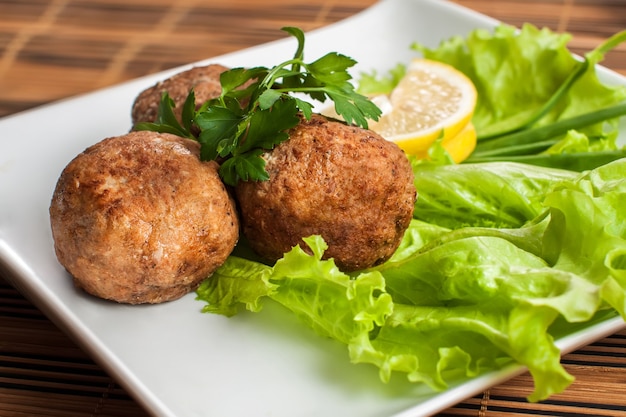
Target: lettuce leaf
[487, 194]
[499, 259]
[516, 72]
[459, 300]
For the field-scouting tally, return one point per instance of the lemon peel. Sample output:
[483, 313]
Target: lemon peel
[459, 146]
[432, 101]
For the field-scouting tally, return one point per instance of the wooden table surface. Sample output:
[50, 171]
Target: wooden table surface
[53, 49]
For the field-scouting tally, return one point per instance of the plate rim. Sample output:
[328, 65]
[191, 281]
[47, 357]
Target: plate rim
[19, 274]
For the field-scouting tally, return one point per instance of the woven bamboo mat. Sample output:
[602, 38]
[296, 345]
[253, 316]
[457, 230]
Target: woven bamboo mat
[52, 49]
[42, 373]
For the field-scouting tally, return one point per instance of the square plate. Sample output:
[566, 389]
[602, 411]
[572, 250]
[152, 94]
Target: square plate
[174, 360]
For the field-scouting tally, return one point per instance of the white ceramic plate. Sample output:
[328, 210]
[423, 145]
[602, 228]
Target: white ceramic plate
[174, 360]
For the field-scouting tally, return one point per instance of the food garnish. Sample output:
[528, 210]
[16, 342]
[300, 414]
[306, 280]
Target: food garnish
[431, 101]
[537, 103]
[501, 258]
[237, 127]
[460, 297]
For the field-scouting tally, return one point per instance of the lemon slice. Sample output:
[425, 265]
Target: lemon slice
[459, 146]
[433, 100]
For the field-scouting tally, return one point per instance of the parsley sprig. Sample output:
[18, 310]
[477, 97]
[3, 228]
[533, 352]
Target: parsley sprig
[258, 105]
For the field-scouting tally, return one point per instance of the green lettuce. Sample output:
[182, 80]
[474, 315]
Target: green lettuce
[497, 195]
[516, 72]
[537, 103]
[501, 258]
[459, 297]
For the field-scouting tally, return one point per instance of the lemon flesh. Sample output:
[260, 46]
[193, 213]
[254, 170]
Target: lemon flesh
[433, 100]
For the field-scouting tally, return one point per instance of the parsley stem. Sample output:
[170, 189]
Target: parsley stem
[301, 90]
[279, 72]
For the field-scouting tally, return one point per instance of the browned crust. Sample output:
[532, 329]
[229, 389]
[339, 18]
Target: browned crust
[139, 218]
[204, 80]
[345, 183]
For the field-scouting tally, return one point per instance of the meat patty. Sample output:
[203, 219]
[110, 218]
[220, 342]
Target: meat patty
[205, 81]
[139, 218]
[347, 184]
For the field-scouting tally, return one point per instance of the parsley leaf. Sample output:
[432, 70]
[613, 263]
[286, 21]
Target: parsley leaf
[257, 107]
[244, 167]
[267, 128]
[332, 68]
[166, 121]
[219, 128]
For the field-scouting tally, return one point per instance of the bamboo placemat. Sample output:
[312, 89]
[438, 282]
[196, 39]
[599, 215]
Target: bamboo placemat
[52, 49]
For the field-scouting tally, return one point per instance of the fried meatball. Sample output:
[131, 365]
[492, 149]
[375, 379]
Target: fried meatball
[139, 218]
[347, 184]
[204, 80]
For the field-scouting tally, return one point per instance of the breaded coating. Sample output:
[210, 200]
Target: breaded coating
[139, 218]
[204, 80]
[347, 184]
